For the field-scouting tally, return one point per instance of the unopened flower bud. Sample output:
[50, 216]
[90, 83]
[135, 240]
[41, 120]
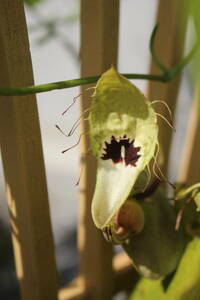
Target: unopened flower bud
[129, 220]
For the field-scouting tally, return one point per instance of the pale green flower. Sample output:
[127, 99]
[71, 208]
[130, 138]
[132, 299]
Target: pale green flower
[124, 134]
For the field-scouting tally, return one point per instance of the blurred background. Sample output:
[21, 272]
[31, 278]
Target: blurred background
[54, 34]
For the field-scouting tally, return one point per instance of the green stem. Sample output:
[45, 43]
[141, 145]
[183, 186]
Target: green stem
[185, 192]
[152, 50]
[186, 59]
[33, 89]
[166, 76]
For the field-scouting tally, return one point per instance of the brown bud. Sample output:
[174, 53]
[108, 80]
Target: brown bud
[129, 220]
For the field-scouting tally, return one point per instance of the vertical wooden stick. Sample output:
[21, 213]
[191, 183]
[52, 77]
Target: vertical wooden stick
[23, 162]
[99, 39]
[190, 163]
[169, 48]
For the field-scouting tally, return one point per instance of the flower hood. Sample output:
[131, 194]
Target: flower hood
[123, 134]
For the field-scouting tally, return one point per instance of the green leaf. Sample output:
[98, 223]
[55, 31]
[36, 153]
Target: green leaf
[197, 200]
[192, 192]
[185, 284]
[156, 250]
[148, 289]
[185, 192]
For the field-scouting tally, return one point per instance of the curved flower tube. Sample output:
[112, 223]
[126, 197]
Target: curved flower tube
[124, 134]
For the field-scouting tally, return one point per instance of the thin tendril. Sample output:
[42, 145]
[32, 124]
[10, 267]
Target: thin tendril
[75, 125]
[166, 105]
[61, 131]
[154, 164]
[148, 179]
[159, 169]
[152, 50]
[75, 145]
[180, 214]
[168, 123]
[81, 169]
[161, 173]
[78, 122]
[74, 101]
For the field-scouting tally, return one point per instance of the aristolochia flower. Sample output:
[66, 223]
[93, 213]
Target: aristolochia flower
[123, 133]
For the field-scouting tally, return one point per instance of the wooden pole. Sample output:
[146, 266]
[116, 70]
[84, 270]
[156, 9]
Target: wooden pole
[23, 164]
[169, 43]
[99, 41]
[125, 277]
[190, 162]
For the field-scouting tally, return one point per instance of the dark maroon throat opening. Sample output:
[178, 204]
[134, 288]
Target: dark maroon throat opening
[121, 150]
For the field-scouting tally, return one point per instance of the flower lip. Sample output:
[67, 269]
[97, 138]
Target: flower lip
[121, 150]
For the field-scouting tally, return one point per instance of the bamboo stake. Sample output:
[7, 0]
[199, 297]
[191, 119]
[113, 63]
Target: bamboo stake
[125, 277]
[74, 291]
[99, 39]
[169, 44]
[125, 274]
[23, 162]
[190, 163]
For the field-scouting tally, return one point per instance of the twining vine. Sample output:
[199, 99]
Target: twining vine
[167, 74]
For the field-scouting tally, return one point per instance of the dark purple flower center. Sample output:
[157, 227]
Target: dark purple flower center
[121, 150]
